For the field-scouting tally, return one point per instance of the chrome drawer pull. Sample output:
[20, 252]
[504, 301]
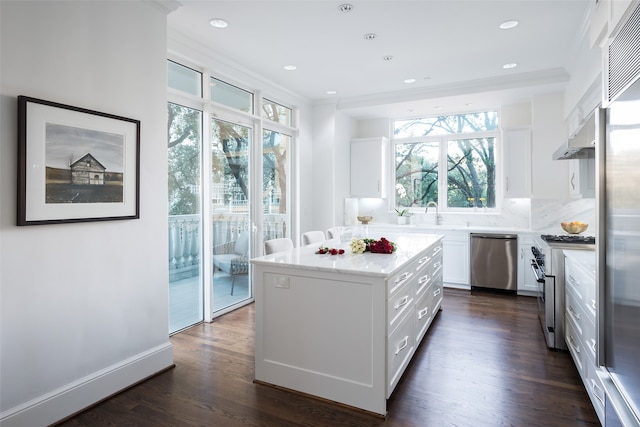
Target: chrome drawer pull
[402, 302]
[574, 313]
[572, 341]
[593, 345]
[423, 313]
[402, 277]
[402, 346]
[574, 281]
[437, 265]
[596, 390]
[593, 304]
[436, 292]
[437, 249]
[424, 259]
[424, 279]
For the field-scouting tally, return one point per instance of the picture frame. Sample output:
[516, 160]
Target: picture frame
[75, 164]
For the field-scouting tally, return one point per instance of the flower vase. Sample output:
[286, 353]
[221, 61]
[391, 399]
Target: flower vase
[402, 220]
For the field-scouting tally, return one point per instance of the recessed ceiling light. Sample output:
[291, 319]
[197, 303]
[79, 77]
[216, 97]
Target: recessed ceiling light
[370, 36]
[346, 7]
[510, 65]
[409, 80]
[331, 92]
[387, 58]
[289, 67]
[219, 23]
[506, 25]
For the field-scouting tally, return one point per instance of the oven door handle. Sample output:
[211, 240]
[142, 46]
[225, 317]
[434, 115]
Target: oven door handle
[536, 272]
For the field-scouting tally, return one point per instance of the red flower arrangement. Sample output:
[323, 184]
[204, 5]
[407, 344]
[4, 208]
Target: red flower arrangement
[382, 246]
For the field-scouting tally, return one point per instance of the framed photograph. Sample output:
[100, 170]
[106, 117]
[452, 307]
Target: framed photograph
[76, 165]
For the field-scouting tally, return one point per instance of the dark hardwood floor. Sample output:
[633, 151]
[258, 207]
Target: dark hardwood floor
[482, 363]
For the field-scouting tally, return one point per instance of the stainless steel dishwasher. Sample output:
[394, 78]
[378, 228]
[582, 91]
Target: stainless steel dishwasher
[494, 262]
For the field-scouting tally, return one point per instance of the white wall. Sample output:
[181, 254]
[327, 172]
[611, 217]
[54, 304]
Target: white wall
[324, 202]
[80, 322]
[373, 128]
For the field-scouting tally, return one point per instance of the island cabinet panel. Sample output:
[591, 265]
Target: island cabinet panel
[345, 327]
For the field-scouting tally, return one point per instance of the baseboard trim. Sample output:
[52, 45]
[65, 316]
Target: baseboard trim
[85, 392]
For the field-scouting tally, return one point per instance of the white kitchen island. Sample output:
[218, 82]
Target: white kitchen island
[344, 327]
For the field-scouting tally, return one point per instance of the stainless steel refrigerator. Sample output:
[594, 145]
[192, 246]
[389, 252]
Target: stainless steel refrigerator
[619, 255]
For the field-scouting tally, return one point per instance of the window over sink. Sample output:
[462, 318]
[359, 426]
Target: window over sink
[450, 160]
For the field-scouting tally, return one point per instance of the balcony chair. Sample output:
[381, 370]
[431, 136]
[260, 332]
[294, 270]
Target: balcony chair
[332, 233]
[278, 245]
[311, 237]
[233, 257]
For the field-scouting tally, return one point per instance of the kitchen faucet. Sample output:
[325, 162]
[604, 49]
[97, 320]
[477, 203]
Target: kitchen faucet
[434, 204]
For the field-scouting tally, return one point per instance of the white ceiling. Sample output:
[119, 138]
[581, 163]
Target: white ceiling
[453, 48]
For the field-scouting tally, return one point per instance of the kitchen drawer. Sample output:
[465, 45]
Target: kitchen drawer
[423, 314]
[594, 387]
[435, 293]
[575, 310]
[583, 283]
[398, 305]
[575, 344]
[423, 282]
[400, 348]
[436, 267]
[398, 280]
[589, 339]
[427, 268]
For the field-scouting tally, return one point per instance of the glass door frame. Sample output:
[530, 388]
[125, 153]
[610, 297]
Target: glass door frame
[210, 111]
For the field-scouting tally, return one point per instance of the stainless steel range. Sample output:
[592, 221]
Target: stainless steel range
[548, 267]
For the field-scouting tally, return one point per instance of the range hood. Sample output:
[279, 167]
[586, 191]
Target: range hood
[583, 144]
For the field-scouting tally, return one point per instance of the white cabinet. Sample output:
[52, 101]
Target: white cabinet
[606, 16]
[456, 258]
[517, 162]
[582, 178]
[527, 284]
[580, 320]
[369, 167]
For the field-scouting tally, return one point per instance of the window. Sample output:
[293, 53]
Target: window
[450, 160]
[275, 188]
[276, 112]
[231, 96]
[184, 79]
[185, 220]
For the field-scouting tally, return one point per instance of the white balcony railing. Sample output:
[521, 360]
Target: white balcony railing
[185, 239]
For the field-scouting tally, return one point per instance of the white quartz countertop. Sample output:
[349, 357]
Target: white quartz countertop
[408, 246]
